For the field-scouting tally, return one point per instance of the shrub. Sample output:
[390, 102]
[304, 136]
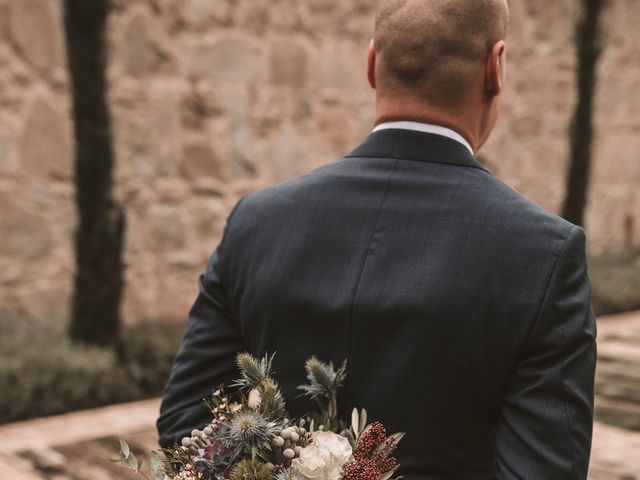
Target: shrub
[43, 373]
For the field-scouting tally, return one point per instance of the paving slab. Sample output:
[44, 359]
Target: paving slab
[79, 426]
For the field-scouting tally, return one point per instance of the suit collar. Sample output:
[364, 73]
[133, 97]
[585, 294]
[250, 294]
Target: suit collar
[417, 146]
[426, 128]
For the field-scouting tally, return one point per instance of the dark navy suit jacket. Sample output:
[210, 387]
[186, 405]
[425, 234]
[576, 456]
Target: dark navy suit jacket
[463, 309]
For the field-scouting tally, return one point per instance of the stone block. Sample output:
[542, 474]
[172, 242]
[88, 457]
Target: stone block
[334, 131]
[235, 101]
[288, 17]
[45, 144]
[318, 7]
[201, 102]
[140, 298]
[5, 26]
[208, 217]
[171, 190]
[255, 16]
[198, 14]
[232, 59]
[179, 290]
[208, 187]
[286, 155]
[143, 52]
[165, 229]
[36, 29]
[199, 160]
[616, 157]
[242, 149]
[6, 149]
[340, 64]
[609, 207]
[148, 133]
[288, 63]
[25, 236]
[50, 298]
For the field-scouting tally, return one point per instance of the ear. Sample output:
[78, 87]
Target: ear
[494, 69]
[371, 65]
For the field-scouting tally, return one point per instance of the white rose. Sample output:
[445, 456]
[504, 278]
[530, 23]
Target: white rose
[324, 457]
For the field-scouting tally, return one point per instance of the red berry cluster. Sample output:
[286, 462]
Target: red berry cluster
[373, 436]
[361, 469]
[383, 458]
[372, 456]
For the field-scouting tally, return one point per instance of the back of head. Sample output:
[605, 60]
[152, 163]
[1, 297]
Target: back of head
[435, 49]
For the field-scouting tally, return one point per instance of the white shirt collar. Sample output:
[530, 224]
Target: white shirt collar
[426, 128]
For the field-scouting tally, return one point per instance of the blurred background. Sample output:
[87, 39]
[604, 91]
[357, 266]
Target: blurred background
[129, 129]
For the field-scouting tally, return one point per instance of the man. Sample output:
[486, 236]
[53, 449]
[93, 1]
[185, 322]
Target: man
[463, 309]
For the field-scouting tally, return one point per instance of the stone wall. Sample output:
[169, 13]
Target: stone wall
[211, 99]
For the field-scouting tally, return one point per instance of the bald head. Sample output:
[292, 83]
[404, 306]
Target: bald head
[435, 49]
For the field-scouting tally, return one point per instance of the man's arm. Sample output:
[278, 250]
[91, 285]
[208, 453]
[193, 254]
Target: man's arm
[546, 420]
[206, 359]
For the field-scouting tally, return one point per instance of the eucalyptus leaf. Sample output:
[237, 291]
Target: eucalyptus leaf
[124, 449]
[389, 474]
[349, 435]
[130, 462]
[363, 420]
[127, 459]
[380, 447]
[398, 436]
[157, 466]
[355, 422]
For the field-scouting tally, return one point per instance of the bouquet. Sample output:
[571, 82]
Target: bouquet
[253, 438]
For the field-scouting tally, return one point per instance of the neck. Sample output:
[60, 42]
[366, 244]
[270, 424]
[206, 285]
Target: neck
[458, 121]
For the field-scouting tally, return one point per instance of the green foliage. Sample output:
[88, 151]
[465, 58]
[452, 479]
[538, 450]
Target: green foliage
[358, 423]
[157, 466]
[43, 373]
[256, 374]
[251, 470]
[324, 380]
[323, 384]
[127, 459]
[253, 371]
[249, 433]
[272, 405]
[175, 459]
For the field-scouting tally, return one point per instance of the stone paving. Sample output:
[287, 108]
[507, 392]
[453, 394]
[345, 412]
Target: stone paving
[78, 446]
[618, 376]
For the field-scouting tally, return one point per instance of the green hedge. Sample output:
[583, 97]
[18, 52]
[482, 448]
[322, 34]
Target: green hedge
[42, 373]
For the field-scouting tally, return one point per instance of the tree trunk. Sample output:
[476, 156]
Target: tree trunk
[589, 47]
[101, 223]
